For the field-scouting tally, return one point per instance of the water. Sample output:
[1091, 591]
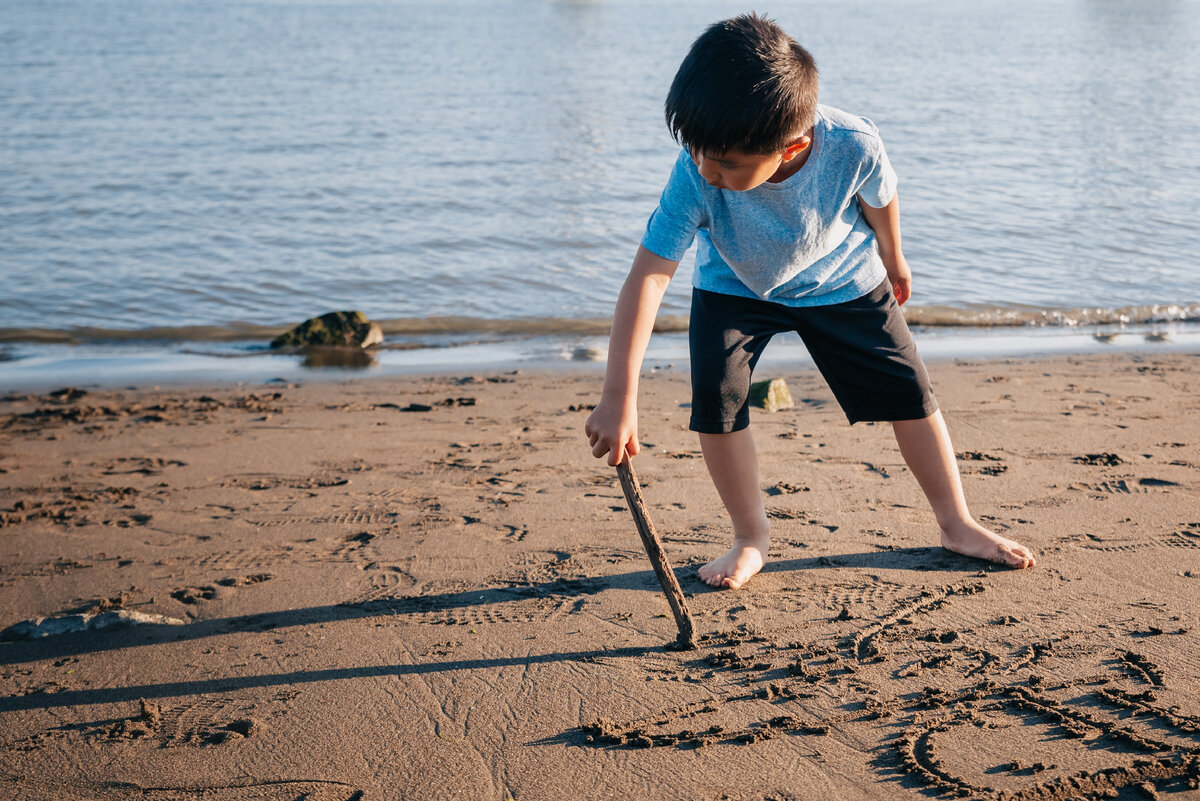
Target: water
[218, 170]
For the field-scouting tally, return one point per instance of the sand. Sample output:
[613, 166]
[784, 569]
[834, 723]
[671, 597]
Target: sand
[427, 588]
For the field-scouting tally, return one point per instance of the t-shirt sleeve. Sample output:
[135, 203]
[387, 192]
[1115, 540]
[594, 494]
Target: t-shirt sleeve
[877, 179]
[680, 213]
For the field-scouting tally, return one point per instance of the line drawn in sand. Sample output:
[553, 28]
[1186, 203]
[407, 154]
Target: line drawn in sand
[759, 687]
[208, 720]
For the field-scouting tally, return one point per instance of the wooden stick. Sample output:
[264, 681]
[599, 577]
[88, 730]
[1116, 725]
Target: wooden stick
[658, 558]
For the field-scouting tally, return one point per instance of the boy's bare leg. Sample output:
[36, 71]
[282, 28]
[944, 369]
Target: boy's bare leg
[925, 445]
[732, 461]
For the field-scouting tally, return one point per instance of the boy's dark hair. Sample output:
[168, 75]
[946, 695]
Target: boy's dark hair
[745, 84]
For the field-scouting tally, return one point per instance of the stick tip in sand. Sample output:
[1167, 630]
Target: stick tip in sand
[658, 558]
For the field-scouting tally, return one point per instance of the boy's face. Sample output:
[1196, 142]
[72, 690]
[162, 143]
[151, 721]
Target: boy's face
[740, 171]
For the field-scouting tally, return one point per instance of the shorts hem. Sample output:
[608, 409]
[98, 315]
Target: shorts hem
[719, 426]
[912, 413]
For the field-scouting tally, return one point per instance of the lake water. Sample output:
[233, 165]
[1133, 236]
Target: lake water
[213, 170]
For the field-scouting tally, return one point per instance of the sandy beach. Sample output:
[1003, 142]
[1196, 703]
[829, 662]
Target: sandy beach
[427, 588]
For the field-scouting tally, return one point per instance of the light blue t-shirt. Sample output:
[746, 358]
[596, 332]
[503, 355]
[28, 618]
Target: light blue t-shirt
[800, 242]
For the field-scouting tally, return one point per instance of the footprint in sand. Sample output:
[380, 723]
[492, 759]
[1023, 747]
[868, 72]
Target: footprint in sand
[268, 481]
[473, 608]
[1186, 536]
[1099, 459]
[385, 580]
[144, 465]
[195, 595]
[354, 517]
[784, 488]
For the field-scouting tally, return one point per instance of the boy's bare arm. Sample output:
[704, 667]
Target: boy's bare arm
[885, 222]
[612, 425]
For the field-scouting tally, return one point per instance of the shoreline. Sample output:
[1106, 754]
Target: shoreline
[425, 585]
[41, 367]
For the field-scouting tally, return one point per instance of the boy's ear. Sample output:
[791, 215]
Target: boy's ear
[797, 147]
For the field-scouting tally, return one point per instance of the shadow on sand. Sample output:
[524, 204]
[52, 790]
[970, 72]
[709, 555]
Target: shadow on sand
[920, 559]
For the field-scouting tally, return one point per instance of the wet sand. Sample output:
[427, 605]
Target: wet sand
[426, 588]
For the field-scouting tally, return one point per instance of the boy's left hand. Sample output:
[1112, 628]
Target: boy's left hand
[901, 278]
[885, 222]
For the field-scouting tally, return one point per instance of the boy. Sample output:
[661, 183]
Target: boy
[795, 207]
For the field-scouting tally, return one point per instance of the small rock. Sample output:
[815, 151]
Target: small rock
[587, 353]
[342, 329]
[68, 394]
[772, 395]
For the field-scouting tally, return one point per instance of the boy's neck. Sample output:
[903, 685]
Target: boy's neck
[789, 168]
[792, 166]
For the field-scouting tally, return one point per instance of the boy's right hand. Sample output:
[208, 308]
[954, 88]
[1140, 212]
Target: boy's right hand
[612, 428]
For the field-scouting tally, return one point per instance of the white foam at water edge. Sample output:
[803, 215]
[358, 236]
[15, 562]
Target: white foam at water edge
[45, 367]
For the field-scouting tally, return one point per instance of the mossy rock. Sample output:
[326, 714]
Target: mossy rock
[771, 395]
[346, 329]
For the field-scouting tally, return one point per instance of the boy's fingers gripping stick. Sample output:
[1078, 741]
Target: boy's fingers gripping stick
[654, 549]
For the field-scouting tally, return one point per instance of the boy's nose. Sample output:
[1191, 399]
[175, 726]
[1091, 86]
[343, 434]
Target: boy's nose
[706, 169]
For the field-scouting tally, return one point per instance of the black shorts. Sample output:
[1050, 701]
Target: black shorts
[862, 347]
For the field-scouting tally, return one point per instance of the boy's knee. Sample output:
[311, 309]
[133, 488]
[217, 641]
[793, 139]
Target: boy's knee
[720, 402]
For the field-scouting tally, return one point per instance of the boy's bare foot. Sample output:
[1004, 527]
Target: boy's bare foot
[971, 539]
[738, 565]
